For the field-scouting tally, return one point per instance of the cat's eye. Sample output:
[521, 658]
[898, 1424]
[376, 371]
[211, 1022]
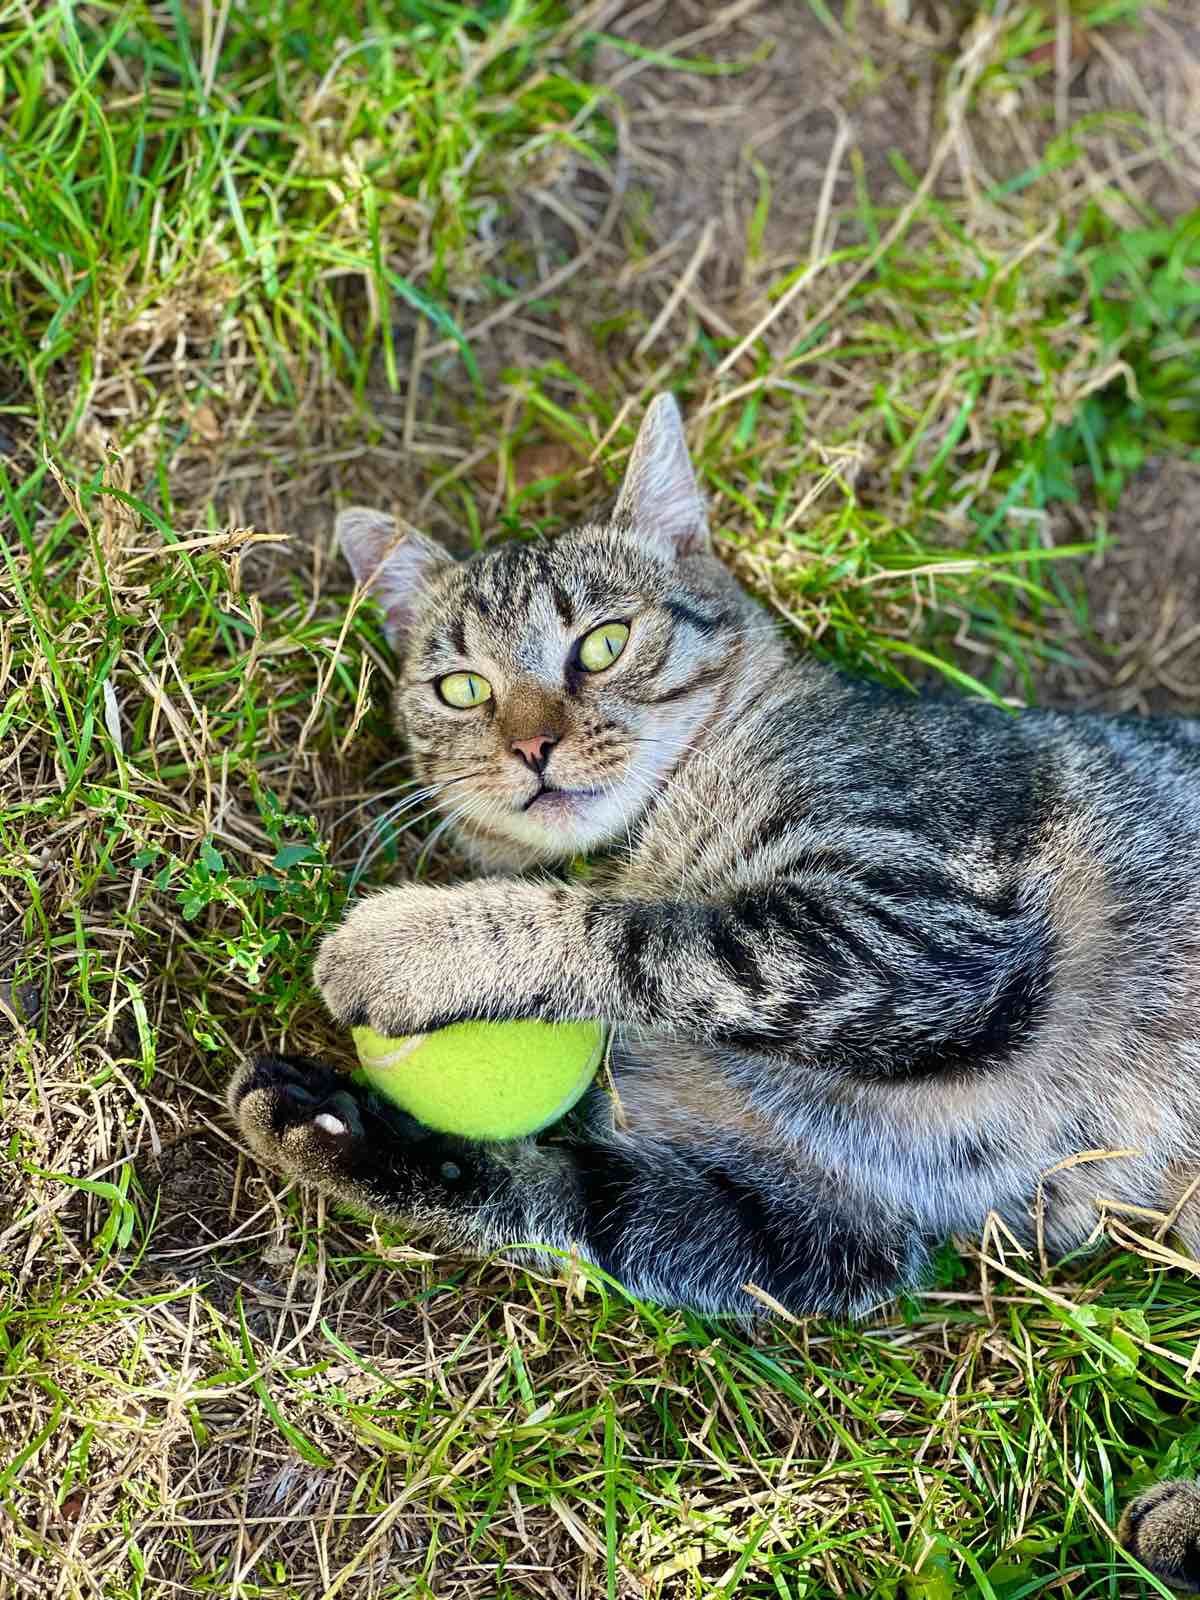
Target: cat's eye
[462, 690]
[601, 647]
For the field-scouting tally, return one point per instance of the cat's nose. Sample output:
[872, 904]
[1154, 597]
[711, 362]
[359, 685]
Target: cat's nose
[535, 752]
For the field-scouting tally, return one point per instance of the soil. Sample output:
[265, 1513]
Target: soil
[1142, 651]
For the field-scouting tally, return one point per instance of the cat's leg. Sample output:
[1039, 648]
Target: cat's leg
[676, 1223]
[798, 968]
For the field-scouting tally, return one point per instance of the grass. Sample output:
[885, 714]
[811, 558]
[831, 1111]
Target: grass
[257, 260]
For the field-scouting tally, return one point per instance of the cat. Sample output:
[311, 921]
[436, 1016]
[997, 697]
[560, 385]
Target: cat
[876, 964]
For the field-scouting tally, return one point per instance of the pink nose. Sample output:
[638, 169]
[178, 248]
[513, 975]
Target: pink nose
[535, 752]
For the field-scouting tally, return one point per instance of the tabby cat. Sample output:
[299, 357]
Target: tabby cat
[876, 964]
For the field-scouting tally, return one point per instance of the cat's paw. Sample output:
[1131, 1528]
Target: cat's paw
[391, 965]
[306, 1120]
[1162, 1529]
[298, 1114]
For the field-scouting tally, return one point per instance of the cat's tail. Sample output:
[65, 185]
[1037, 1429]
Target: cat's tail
[1162, 1529]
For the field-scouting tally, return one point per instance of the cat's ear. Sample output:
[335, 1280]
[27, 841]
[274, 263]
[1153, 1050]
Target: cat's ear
[392, 561]
[660, 498]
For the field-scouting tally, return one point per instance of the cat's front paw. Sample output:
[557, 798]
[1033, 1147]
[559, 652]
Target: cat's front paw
[392, 965]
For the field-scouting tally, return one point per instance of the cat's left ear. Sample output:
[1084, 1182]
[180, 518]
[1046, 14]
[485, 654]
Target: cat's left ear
[391, 560]
[660, 498]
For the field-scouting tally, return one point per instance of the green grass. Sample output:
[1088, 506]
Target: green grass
[258, 259]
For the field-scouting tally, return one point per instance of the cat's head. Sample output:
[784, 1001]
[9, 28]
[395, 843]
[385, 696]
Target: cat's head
[548, 689]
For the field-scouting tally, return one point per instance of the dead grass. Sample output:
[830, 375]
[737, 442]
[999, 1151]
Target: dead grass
[866, 255]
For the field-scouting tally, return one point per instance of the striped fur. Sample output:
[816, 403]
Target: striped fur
[875, 963]
[1161, 1527]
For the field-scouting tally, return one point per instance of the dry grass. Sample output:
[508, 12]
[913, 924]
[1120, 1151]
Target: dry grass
[258, 262]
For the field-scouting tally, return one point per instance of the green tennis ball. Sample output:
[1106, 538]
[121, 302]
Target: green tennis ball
[484, 1080]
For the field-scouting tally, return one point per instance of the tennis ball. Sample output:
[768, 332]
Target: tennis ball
[484, 1080]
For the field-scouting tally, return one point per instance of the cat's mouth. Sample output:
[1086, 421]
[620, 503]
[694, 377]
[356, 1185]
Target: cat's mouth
[549, 795]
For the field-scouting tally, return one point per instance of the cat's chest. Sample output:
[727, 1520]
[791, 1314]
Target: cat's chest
[708, 823]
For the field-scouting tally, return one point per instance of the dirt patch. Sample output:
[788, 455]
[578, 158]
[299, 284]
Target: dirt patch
[189, 1184]
[1139, 648]
[785, 123]
[777, 108]
[1150, 71]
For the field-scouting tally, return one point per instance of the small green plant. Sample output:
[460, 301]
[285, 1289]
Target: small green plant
[280, 909]
[1144, 297]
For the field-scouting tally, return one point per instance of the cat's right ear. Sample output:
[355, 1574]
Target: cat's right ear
[392, 561]
[660, 499]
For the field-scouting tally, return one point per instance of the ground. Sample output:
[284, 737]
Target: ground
[924, 278]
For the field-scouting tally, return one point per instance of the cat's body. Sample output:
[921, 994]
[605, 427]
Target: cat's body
[876, 965]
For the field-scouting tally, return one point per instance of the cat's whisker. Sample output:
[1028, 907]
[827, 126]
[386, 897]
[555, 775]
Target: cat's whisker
[382, 832]
[692, 753]
[376, 824]
[690, 749]
[405, 755]
[376, 845]
[724, 828]
[451, 818]
[393, 812]
[374, 799]
[387, 822]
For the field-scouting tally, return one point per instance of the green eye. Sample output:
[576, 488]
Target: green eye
[464, 690]
[601, 647]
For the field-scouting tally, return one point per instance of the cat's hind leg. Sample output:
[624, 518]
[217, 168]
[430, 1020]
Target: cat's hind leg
[725, 1230]
[1161, 1527]
[312, 1123]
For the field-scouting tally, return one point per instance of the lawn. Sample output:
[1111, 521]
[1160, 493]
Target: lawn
[926, 281]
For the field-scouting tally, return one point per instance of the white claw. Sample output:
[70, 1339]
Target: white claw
[329, 1123]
